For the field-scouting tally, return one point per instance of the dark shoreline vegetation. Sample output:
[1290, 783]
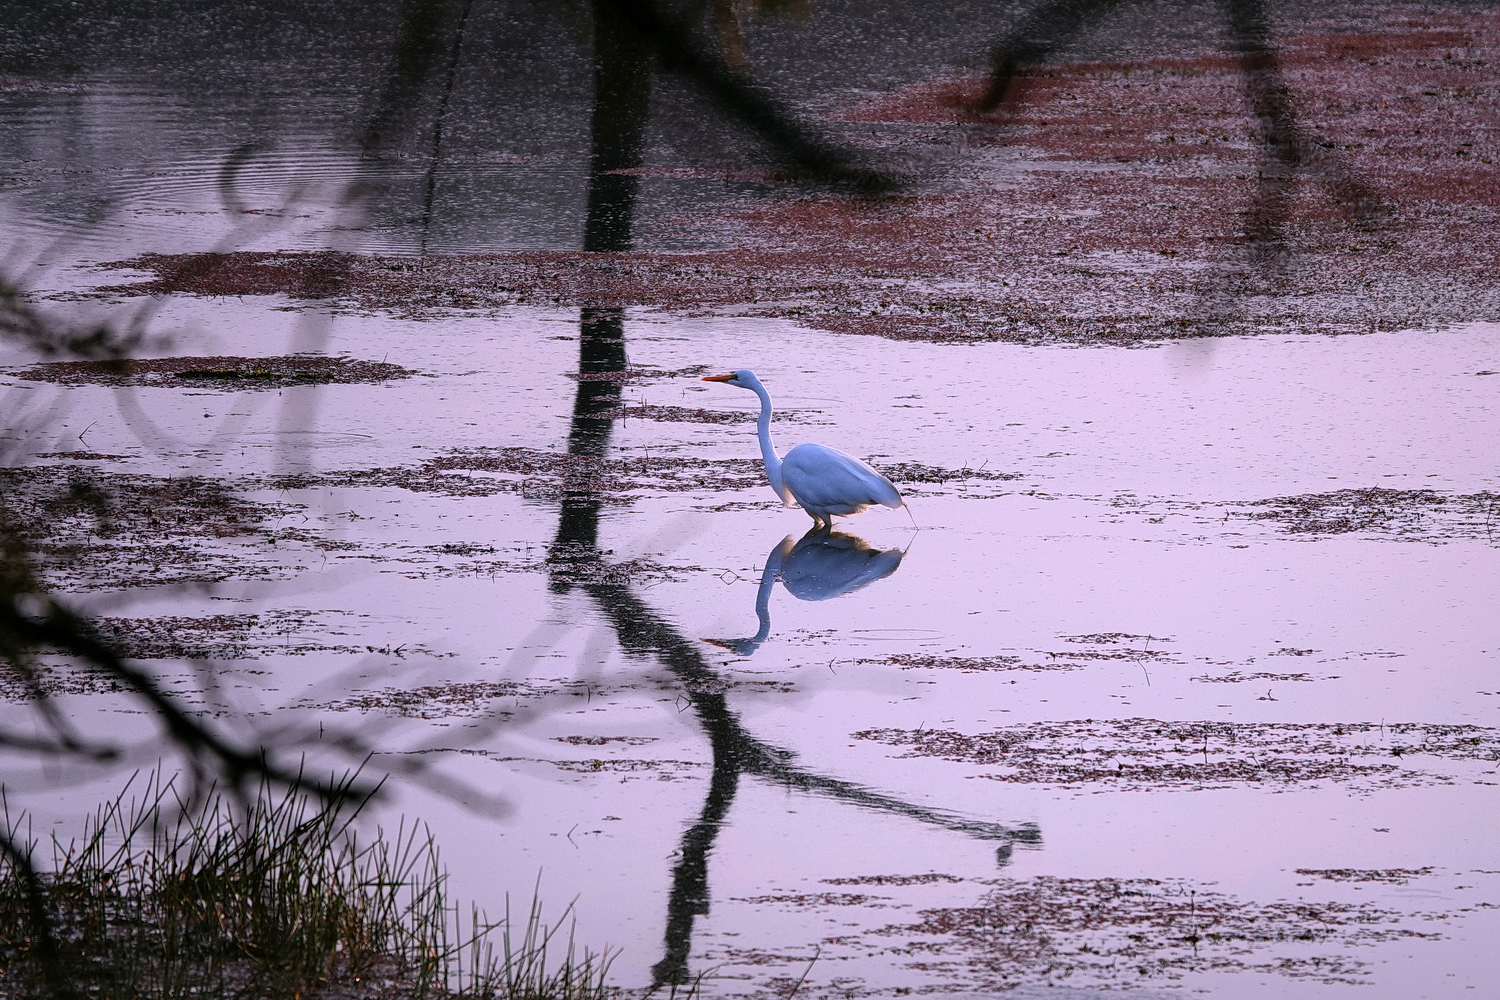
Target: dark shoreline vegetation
[265, 895]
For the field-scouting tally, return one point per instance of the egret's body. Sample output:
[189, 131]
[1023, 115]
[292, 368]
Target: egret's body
[821, 480]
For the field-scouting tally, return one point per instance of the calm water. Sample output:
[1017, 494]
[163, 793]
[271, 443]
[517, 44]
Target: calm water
[1195, 695]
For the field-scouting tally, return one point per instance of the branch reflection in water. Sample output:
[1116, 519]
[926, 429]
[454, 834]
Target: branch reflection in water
[643, 632]
[820, 566]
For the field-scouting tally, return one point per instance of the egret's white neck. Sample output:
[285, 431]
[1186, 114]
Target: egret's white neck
[767, 449]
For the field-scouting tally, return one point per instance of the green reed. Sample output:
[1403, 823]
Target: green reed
[260, 896]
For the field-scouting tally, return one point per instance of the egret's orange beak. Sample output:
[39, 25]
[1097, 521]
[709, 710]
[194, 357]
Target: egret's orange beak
[718, 378]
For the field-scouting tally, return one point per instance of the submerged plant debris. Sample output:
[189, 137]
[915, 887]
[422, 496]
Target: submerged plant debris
[556, 475]
[563, 563]
[599, 741]
[223, 637]
[542, 475]
[691, 415]
[577, 564]
[635, 373]
[659, 768]
[1409, 515]
[232, 374]
[1133, 655]
[20, 683]
[436, 701]
[1068, 659]
[1084, 932]
[1427, 515]
[927, 879]
[913, 473]
[1146, 754]
[80, 456]
[88, 529]
[1235, 677]
[966, 664]
[502, 699]
[812, 899]
[1390, 876]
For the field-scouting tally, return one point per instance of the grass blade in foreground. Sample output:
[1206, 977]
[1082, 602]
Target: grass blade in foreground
[270, 897]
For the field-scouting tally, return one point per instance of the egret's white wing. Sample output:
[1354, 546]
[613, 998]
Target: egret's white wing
[820, 476]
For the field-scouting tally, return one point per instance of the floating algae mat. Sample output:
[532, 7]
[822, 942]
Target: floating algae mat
[234, 373]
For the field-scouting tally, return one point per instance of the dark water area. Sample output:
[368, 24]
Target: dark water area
[473, 134]
[1177, 674]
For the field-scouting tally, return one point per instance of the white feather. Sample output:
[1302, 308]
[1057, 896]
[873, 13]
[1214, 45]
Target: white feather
[823, 481]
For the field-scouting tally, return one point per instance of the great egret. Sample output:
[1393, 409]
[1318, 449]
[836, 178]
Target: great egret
[821, 480]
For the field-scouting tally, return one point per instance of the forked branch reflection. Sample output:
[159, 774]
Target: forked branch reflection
[822, 565]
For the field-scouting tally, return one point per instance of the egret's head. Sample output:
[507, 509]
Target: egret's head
[744, 378]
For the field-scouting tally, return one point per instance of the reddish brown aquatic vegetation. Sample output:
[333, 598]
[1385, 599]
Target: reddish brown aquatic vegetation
[318, 274]
[716, 685]
[92, 529]
[210, 637]
[502, 698]
[1142, 203]
[1142, 754]
[228, 373]
[781, 987]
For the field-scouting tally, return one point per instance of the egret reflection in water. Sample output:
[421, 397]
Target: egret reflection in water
[821, 565]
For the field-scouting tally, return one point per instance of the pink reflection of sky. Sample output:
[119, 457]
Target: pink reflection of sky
[1000, 568]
